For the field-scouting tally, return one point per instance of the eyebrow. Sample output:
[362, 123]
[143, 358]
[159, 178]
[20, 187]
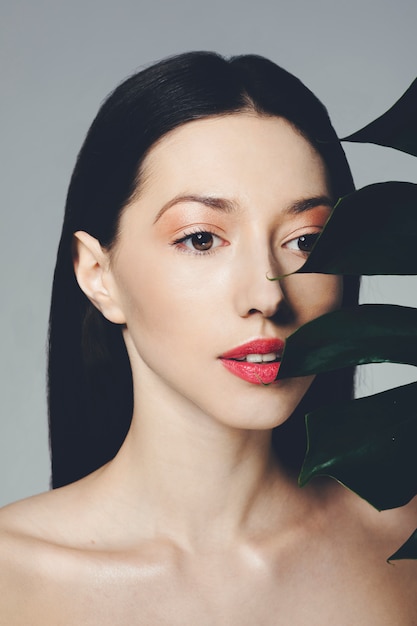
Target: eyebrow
[229, 206]
[218, 204]
[309, 203]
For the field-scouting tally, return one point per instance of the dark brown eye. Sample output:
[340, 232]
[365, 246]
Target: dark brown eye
[202, 241]
[305, 243]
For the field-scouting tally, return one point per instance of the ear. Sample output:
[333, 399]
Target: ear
[93, 273]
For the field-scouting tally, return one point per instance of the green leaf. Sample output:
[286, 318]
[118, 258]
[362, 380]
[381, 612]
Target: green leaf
[371, 231]
[367, 333]
[397, 128]
[408, 550]
[368, 445]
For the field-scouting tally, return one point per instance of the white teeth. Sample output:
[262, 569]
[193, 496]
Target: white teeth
[260, 358]
[254, 358]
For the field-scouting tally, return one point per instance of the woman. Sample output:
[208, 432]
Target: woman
[199, 180]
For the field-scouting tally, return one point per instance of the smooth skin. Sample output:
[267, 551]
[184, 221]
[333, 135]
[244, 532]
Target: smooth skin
[194, 521]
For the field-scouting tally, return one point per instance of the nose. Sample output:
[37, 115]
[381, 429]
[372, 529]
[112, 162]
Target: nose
[259, 291]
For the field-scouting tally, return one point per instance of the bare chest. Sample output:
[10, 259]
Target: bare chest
[289, 593]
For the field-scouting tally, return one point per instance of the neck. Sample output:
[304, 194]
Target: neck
[187, 476]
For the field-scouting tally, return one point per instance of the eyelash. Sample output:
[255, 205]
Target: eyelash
[179, 243]
[295, 240]
[188, 236]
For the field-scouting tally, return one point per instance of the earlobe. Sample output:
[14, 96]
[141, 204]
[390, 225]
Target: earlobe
[93, 273]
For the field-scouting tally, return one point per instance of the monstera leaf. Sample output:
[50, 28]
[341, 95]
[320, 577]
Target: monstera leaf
[371, 231]
[368, 333]
[408, 550]
[397, 128]
[367, 444]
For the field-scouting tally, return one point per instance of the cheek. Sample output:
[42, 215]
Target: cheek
[312, 295]
[163, 294]
[147, 303]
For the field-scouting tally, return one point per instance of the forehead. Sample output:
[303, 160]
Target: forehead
[233, 156]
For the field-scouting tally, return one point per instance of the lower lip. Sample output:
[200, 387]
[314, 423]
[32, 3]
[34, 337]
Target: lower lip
[255, 373]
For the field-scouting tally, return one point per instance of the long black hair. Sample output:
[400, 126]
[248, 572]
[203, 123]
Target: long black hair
[90, 382]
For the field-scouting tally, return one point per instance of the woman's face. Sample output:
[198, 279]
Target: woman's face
[225, 204]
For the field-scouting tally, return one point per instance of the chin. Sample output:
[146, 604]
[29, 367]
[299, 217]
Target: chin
[263, 407]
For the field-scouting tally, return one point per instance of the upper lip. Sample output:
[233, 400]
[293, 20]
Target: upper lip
[256, 346]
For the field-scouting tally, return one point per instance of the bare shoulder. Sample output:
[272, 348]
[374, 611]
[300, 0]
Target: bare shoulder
[362, 540]
[29, 526]
[60, 564]
[23, 556]
[31, 519]
[389, 529]
[58, 518]
[43, 564]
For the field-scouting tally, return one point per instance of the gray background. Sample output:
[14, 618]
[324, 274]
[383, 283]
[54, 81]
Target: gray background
[58, 61]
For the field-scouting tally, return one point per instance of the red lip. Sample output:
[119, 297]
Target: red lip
[257, 346]
[255, 373]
